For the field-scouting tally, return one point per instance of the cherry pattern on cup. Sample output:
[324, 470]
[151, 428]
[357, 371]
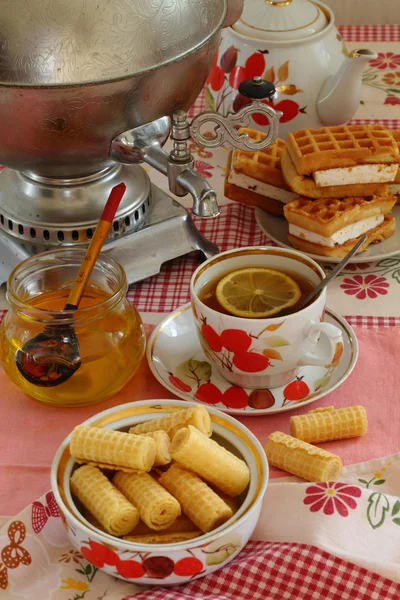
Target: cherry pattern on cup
[211, 336]
[235, 340]
[233, 348]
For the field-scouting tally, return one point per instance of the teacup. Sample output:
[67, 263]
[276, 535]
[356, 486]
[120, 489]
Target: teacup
[266, 352]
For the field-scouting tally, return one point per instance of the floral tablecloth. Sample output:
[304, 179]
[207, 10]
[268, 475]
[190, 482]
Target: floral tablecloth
[349, 547]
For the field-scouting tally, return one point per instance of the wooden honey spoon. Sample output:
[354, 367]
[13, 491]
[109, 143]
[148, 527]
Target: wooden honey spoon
[53, 356]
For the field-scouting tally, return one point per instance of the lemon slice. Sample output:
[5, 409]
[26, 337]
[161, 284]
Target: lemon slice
[257, 292]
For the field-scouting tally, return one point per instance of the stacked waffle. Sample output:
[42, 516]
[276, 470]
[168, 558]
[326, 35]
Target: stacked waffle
[346, 171]
[256, 178]
[394, 188]
[342, 175]
[331, 226]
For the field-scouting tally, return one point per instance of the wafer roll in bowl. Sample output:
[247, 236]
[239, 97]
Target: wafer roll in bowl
[182, 524]
[112, 449]
[209, 460]
[157, 508]
[162, 538]
[199, 502]
[113, 511]
[163, 443]
[196, 416]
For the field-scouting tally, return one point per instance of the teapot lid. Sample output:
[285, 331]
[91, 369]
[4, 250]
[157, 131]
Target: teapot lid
[278, 20]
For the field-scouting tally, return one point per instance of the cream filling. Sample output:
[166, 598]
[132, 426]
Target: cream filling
[359, 174]
[394, 188]
[265, 189]
[342, 235]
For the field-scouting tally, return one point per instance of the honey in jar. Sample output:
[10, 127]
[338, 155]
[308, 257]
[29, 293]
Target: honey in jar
[109, 329]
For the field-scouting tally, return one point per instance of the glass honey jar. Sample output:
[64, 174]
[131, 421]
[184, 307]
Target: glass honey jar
[109, 329]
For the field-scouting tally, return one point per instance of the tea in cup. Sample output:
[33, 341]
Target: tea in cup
[239, 324]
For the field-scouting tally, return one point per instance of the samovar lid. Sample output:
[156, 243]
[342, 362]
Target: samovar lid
[54, 42]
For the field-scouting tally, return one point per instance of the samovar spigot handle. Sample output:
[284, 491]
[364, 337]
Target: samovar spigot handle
[225, 128]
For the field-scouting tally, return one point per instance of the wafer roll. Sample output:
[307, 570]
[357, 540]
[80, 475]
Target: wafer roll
[197, 416]
[326, 424]
[162, 538]
[191, 448]
[98, 495]
[112, 449]
[302, 459]
[198, 501]
[182, 524]
[163, 443]
[92, 520]
[157, 508]
[231, 502]
[104, 466]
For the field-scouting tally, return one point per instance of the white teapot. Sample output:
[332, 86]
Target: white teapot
[294, 44]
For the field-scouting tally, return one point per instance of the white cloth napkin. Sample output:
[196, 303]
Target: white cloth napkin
[357, 519]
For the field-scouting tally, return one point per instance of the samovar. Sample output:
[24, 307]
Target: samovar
[89, 89]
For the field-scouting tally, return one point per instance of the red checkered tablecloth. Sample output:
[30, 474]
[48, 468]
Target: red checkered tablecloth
[370, 33]
[282, 571]
[235, 227]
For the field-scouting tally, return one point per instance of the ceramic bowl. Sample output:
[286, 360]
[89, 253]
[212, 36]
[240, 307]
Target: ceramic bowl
[166, 564]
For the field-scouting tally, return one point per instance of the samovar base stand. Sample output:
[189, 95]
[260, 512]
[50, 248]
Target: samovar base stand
[168, 233]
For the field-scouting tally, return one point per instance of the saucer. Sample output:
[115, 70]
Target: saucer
[276, 228]
[177, 360]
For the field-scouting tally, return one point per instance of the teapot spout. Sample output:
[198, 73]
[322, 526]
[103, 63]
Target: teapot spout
[339, 97]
